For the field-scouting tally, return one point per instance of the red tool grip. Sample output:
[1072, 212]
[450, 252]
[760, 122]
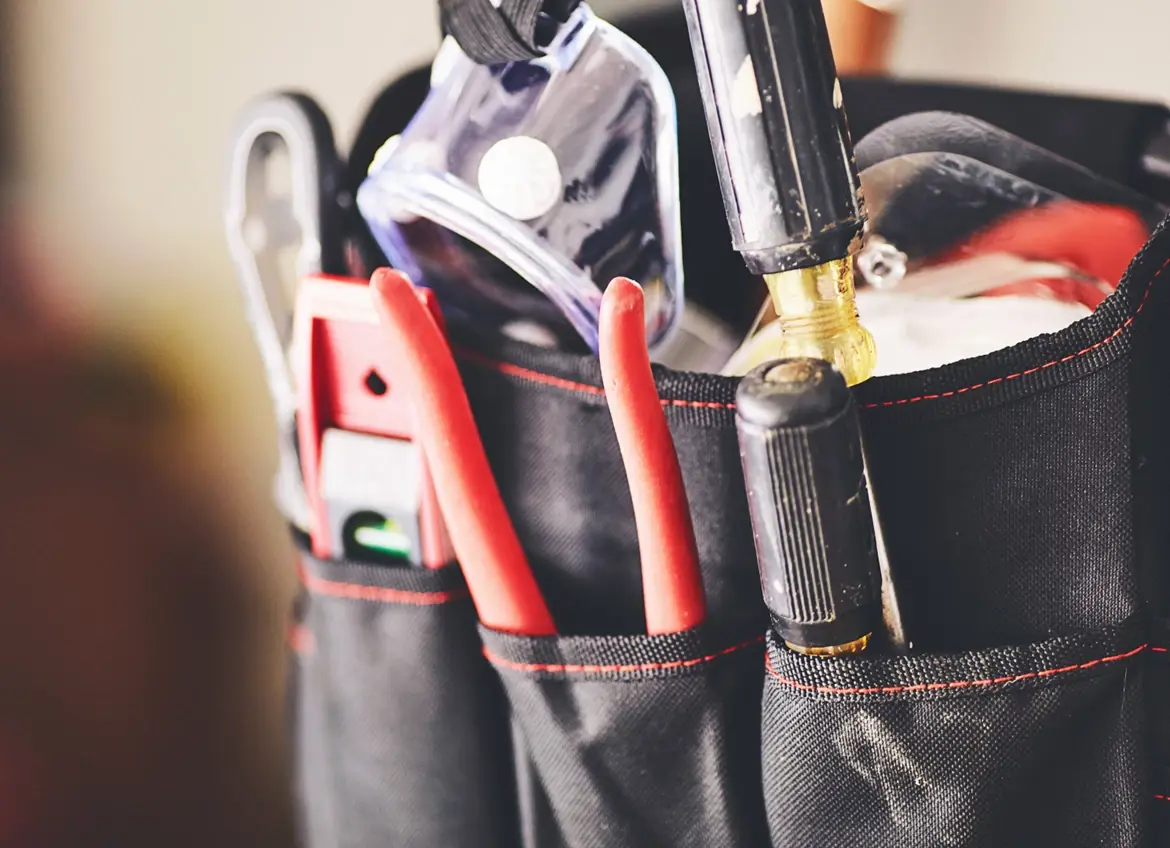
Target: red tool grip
[671, 581]
[501, 584]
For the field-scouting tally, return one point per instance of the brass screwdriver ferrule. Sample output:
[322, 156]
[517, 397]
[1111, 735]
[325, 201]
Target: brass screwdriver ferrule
[817, 311]
[857, 646]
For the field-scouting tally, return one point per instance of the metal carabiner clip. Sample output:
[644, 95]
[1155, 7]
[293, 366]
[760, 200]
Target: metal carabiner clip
[263, 224]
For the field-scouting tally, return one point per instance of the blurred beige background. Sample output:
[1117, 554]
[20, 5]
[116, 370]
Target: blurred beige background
[125, 108]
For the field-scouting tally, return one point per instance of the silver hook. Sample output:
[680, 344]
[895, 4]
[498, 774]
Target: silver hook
[261, 224]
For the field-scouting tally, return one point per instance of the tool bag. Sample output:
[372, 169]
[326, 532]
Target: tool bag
[1025, 500]
[1026, 505]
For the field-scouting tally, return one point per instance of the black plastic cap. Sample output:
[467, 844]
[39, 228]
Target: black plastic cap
[798, 392]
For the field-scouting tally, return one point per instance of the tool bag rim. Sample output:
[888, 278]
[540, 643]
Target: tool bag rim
[994, 378]
[619, 658]
[1058, 661]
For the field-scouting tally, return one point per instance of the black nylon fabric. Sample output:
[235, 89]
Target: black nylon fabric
[1158, 703]
[402, 725]
[555, 456]
[1039, 745]
[639, 741]
[1037, 538]
[1149, 399]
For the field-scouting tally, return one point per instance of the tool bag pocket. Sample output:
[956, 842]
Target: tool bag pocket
[401, 725]
[1043, 744]
[1158, 686]
[638, 741]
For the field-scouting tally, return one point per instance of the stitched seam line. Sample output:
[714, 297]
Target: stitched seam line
[1160, 650]
[377, 594]
[1162, 797]
[954, 684]
[528, 374]
[510, 370]
[1096, 346]
[615, 669]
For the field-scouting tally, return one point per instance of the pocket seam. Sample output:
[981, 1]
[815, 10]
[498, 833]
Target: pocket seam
[954, 685]
[377, 594]
[590, 669]
[508, 369]
[1052, 363]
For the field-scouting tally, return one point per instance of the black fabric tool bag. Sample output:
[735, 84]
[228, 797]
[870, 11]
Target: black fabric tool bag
[401, 730]
[1025, 498]
[635, 740]
[1025, 503]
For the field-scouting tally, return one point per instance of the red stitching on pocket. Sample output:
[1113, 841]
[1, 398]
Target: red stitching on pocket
[377, 594]
[584, 388]
[526, 373]
[1160, 650]
[1162, 797]
[568, 385]
[954, 684]
[614, 669]
[1125, 326]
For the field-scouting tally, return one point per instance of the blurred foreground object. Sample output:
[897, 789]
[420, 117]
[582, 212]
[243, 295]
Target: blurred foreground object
[861, 32]
[140, 661]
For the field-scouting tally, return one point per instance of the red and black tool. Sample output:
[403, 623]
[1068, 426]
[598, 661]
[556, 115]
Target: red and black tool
[367, 482]
[505, 593]
[498, 576]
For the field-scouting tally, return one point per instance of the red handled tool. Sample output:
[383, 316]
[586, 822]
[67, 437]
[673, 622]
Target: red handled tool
[1094, 242]
[672, 584]
[368, 485]
[498, 576]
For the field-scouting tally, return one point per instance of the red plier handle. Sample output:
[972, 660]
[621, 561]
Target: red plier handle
[498, 577]
[505, 593]
[672, 585]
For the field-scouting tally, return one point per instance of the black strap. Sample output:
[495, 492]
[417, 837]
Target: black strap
[505, 31]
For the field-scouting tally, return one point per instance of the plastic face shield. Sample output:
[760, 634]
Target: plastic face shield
[518, 191]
